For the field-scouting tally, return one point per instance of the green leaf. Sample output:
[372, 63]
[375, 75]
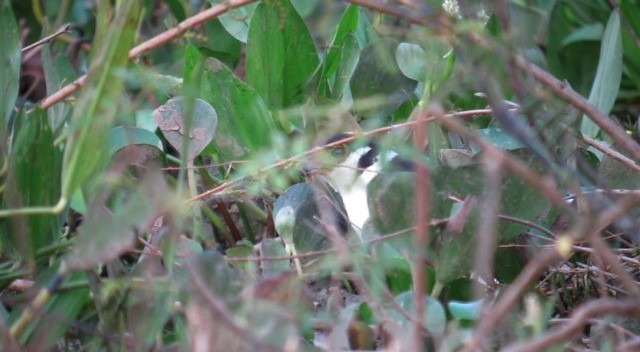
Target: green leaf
[390, 200]
[85, 153]
[220, 44]
[305, 7]
[592, 32]
[608, 75]
[56, 75]
[171, 121]
[465, 310]
[10, 56]
[377, 76]
[245, 125]
[34, 180]
[271, 248]
[412, 61]
[124, 136]
[499, 137]
[236, 21]
[281, 55]
[177, 9]
[342, 57]
[435, 319]
[397, 270]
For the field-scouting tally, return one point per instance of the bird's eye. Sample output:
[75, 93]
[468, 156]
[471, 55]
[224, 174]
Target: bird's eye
[338, 152]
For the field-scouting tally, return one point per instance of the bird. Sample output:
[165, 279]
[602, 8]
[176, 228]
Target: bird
[348, 165]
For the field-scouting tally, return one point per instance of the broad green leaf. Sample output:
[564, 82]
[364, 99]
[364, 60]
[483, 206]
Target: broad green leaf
[10, 56]
[57, 74]
[499, 137]
[342, 57]
[34, 180]
[592, 32]
[210, 268]
[435, 318]
[85, 153]
[281, 55]
[220, 44]
[631, 49]
[581, 70]
[412, 61]
[608, 76]
[378, 77]
[236, 21]
[124, 136]
[245, 125]
[177, 9]
[305, 7]
[271, 248]
[396, 268]
[171, 121]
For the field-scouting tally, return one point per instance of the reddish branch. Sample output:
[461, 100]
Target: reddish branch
[422, 214]
[152, 43]
[579, 319]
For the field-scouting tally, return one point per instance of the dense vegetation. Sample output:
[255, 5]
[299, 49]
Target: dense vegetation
[152, 194]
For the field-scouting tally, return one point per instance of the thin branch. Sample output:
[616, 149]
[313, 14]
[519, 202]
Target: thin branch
[579, 318]
[492, 316]
[221, 311]
[288, 161]
[545, 185]
[48, 39]
[612, 153]
[596, 115]
[422, 215]
[152, 43]
[485, 242]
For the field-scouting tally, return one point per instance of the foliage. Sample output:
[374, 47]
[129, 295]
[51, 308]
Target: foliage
[163, 184]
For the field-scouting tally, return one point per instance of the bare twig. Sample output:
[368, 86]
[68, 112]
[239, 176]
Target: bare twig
[612, 153]
[492, 316]
[222, 312]
[422, 215]
[603, 251]
[486, 237]
[47, 39]
[152, 43]
[301, 156]
[579, 318]
[601, 119]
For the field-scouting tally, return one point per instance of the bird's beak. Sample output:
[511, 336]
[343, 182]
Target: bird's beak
[310, 168]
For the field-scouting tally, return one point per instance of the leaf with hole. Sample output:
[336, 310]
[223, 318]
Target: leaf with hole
[170, 118]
